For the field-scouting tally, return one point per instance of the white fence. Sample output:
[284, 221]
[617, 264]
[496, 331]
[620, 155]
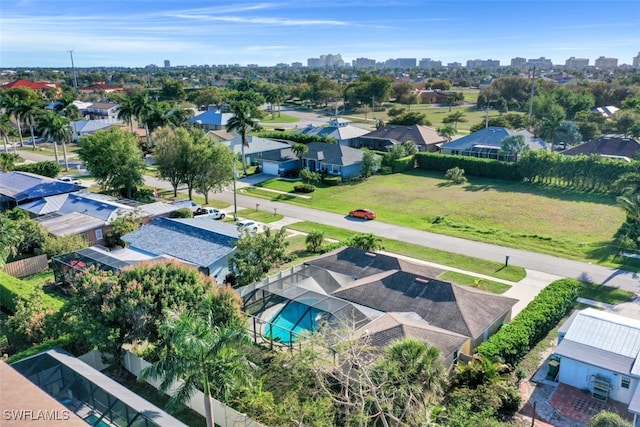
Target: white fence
[224, 416]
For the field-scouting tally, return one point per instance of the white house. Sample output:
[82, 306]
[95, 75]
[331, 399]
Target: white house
[600, 351]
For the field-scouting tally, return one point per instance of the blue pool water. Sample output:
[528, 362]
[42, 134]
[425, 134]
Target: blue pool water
[294, 317]
[93, 420]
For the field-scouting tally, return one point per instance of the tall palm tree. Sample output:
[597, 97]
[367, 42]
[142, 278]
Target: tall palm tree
[243, 121]
[514, 145]
[202, 356]
[127, 111]
[300, 150]
[6, 129]
[141, 107]
[11, 104]
[58, 129]
[28, 110]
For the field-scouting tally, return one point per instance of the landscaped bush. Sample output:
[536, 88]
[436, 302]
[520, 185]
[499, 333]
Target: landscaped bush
[47, 168]
[293, 173]
[472, 166]
[403, 164]
[332, 180]
[304, 188]
[542, 314]
[64, 343]
[183, 213]
[12, 289]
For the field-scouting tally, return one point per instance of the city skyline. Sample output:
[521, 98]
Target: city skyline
[34, 33]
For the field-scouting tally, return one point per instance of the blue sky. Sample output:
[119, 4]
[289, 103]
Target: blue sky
[140, 32]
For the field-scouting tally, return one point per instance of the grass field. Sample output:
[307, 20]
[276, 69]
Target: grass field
[279, 118]
[531, 217]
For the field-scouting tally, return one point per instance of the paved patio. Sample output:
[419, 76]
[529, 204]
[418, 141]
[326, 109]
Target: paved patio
[580, 406]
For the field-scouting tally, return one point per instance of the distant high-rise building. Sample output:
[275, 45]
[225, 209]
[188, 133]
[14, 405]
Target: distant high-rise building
[454, 65]
[401, 63]
[296, 65]
[282, 65]
[326, 61]
[603, 63]
[429, 63]
[574, 63]
[518, 62]
[636, 61]
[167, 63]
[541, 63]
[485, 64]
[314, 63]
[363, 63]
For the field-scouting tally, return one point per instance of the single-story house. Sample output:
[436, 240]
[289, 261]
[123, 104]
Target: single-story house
[211, 120]
[278, 162]
[600, 351]
[382, 297]
[87, 127]
[202, 242]
[339, 129]
[257, 149]
[613, 146]
[487, 143]
[431, 96]
[42, 86]
[426, 138]
[101, 88]
[220, 135]
[333, 159]
[17, 188]
[606, 111]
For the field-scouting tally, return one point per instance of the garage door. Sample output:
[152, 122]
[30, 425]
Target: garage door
[270, 168]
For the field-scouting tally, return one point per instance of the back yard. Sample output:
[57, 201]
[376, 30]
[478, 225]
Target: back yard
[532, 217]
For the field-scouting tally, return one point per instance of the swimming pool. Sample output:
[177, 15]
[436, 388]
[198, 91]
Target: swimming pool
[291, 321]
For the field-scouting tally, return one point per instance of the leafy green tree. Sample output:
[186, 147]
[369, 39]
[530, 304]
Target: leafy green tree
[172, 149]
[216, 169]
[206, 97]
[109, 310]
[119, 227]
[29, 322]
[243, 122]
[173, 90]
[10, 238]
[47, 168]
[625, 120]
[568, 133]
[370, 164]
[405, 93]
[256, 254]
[608, 419]
[114, 159]
[201, 355]
[314, 241]
[55, 245]
[514, 145]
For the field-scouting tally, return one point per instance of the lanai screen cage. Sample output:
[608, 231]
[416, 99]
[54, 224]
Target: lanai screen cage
[66, 267]
[284, 310]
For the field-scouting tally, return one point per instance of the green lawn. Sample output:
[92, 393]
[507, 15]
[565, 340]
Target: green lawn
[463, 262]
[279, 118]
[260, 216]
[606, 294]
[520, 215]
[475, 282]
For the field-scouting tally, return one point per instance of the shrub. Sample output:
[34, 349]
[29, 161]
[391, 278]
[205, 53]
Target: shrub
[331, 181]
[13, 290]
[456, 175]
[291, 173]
[47, 168]
[314, 241]
[183, 213]
[403, 164]
[304, 188]
[542, 314]
[309, 177]
[472, 166]
[63, 342]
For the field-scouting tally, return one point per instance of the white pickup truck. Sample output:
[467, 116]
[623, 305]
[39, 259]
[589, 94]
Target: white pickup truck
[207, 212]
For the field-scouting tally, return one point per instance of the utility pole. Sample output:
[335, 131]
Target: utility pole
[73, 70]
[373, 108]
[533, 86]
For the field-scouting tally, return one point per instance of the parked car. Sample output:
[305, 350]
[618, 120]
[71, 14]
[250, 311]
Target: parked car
[247, 225]
[190, 204]
[207, 212]
[69, 180]
[362, 213]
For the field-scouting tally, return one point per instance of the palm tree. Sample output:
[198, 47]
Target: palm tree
[58, 129]
[141, 107]
[6, 128]
[454, 118]
[203, 356]
[11, 104]
[514, 145]
[550, 124]
[243, 122]
[300, 150]
[28, 111]
[448, 132]
[127, 111]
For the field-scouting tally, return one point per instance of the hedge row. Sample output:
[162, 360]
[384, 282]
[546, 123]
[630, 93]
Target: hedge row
[46, 168]
[533, 323]
[403, 164]
[12, 290]
[473, 166]
[63, 343]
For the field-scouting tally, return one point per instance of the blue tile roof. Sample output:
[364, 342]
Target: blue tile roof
[191, 241]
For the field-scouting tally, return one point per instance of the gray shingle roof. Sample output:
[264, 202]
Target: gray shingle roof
[334, 154]
[199, 241]
[609, 145]
[493, 136]
[442, 304]
[420, 135]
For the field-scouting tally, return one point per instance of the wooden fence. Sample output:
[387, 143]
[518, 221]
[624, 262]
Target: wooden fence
[27, 266]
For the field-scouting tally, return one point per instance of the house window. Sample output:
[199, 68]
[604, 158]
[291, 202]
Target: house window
[625, 382]
[99, 234]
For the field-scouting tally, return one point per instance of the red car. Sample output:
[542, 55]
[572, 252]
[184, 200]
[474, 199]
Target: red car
[362, 213]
